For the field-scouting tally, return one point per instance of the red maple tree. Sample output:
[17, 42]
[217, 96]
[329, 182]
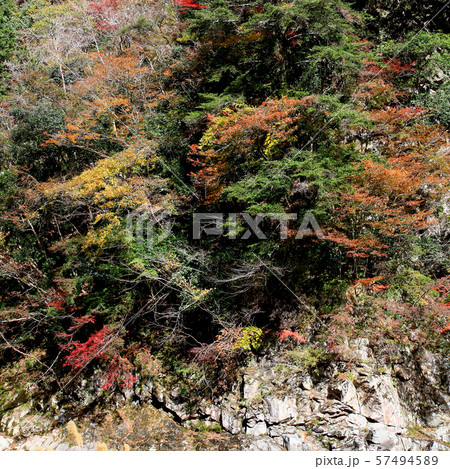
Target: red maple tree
[188, 4]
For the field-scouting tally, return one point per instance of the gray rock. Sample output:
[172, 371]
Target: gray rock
[277, 431]
[335, 409]
[355, 406]
[436, 446]
[293, 443]
[429, 367]
[382, 436]
[350, 396]
[178, 409]
[215, 413]
[256, 428]
[361, 349]
[251, 388]
[61, 447]
[33, 443]
[254, 413]
[307, 383]
[358, 421]
[301, 441]
[277, 410]
[230, 422]
[411, 444]
[5, 443]
[264, 444]
[355, 443]
[379, 401]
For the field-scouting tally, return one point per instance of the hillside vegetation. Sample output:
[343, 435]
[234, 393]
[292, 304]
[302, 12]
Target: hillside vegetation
[333, 110]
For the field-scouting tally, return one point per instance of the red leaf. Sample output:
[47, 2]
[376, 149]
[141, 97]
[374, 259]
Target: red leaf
[188, 4]
[284, 335]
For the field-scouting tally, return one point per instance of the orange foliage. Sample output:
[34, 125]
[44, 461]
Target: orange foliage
[241, 135]
[392, 196]
[285, 335]
[109, 102]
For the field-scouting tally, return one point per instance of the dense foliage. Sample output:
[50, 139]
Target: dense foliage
[159, 110]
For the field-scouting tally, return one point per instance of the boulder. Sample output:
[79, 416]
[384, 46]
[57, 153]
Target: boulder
[279, 410]
[382, 436]
[230, 422]
[256, 428]
[251, 388]
[4, 443]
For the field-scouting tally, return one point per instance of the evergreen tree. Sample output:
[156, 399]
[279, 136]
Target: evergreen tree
[7, 36]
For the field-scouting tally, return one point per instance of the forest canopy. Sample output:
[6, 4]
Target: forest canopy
[160, 110]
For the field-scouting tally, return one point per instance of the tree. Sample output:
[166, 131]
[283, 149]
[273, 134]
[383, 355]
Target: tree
[236, 140]
[104, 346]
[32, 127]
[393, 196]
[7, 30]
[188, 4]
[393, 19]
[257, 49]
[125, 117]
[59, 33]
[7, 36]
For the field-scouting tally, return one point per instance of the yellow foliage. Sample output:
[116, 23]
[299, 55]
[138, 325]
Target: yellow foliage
[250, 337]
[270, 143]
[106, 181]
[100, 237]
[101, 447]
[73, 435]
[3, 237]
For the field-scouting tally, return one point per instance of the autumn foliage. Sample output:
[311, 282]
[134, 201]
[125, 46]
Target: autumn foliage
[285, 335]
[103, 11]
[122, 119]
[101, 346]
[188, 4]
[238, 137]
[391, 197]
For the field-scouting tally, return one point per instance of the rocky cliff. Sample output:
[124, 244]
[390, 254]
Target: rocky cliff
[274, 405]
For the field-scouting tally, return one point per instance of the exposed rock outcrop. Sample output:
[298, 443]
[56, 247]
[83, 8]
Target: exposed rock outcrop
[278, 405]
[340, 407]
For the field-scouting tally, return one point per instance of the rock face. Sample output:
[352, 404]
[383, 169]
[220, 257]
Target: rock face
[359, 406]
[5, 443]
[280, 406]
[279, 410]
